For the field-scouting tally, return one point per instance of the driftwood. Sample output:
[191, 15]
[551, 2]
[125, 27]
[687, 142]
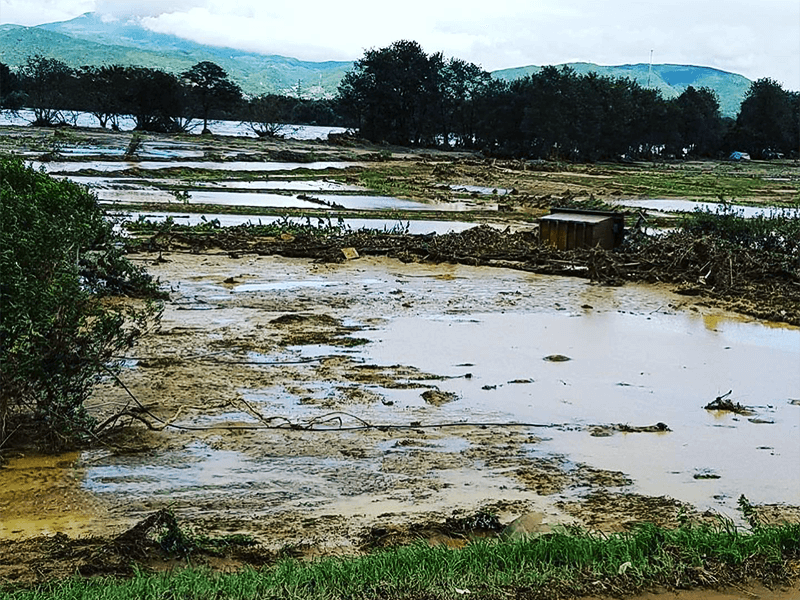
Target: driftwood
[766, 285]
[724, 403]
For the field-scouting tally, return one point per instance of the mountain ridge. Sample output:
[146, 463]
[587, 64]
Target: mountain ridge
[91, 40]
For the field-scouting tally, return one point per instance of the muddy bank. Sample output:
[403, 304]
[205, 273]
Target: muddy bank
[758, 285]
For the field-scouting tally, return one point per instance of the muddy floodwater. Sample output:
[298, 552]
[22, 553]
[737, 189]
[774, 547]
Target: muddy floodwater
[306, 401]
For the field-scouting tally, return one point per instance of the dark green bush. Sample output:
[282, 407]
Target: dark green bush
[59, 257]
[777, 232]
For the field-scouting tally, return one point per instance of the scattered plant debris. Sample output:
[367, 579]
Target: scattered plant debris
[726, 404]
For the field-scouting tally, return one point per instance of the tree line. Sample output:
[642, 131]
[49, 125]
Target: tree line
[402, 95]
[156, 100]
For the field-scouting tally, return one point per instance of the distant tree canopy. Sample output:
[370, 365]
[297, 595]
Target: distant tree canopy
[156, 100]
[769, 120]
[402, 95]
[399, 94]
[210, 88]
[48, 84]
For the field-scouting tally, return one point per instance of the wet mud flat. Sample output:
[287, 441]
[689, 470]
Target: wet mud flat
[335, 407]
[341, 393]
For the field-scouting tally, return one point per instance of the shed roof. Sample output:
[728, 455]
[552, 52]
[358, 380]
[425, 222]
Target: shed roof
[576, 217]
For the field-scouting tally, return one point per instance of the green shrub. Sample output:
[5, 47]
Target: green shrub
[59, 257]
[778, 231]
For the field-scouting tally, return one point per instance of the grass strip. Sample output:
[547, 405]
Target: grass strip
[565, 563]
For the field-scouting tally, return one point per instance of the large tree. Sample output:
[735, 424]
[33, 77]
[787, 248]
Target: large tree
[462, 83]
[699, 122]
[768, 119]
[393, 93]
[210, 89]
[156, 100]
[10, 94]
[268, 115]
[103, 92]
[49, 85]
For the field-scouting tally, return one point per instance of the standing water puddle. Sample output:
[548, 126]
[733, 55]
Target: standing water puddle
[633, 359]
[629, 369]
[748, 212]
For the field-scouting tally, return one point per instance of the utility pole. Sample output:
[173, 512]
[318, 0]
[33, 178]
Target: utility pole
[650, 69]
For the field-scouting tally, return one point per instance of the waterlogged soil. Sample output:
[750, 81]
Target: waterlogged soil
[333, 408]
[331, 402]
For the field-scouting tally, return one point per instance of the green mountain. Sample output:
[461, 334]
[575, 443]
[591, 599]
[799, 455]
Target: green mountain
[89, 40]
[670, 80]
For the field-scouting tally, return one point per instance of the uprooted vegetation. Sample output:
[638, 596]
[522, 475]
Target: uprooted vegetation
[749, 265]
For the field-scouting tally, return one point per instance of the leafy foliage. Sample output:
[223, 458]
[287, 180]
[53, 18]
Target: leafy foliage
[769, 120]
[47, 83]
[268, 114]
[401, 95]
[58, 258]
[209, 88]
[777, 232]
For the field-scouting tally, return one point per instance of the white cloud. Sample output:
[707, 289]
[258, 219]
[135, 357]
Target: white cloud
[123, 9]
[755, 38]
[28, 12]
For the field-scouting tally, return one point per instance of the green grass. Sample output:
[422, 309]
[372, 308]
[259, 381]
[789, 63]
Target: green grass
[776, 232]
[697, 185]
[574, 562]
[390, 182]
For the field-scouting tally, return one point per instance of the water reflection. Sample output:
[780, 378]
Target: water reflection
[24, 118]
[153, 165]
[672, 205]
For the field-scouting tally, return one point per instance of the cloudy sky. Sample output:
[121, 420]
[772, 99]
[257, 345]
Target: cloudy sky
[756, 38]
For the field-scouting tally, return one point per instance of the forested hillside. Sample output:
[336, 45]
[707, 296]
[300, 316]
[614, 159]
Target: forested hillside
[89, 40]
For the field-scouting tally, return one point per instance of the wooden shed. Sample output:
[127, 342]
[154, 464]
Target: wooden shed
[568, 228]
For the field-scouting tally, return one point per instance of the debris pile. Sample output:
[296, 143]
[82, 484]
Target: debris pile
[762, 284]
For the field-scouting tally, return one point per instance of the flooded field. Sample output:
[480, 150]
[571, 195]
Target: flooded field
[106, 166]
[308, 403]
[542, 392]
[414, 227]
[228, 128]
[674, 205]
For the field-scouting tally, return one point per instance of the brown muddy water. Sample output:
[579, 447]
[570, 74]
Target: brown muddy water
[492, 388]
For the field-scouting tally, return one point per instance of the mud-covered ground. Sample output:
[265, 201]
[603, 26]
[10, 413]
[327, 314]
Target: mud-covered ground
[273, 399]
[262, 405]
